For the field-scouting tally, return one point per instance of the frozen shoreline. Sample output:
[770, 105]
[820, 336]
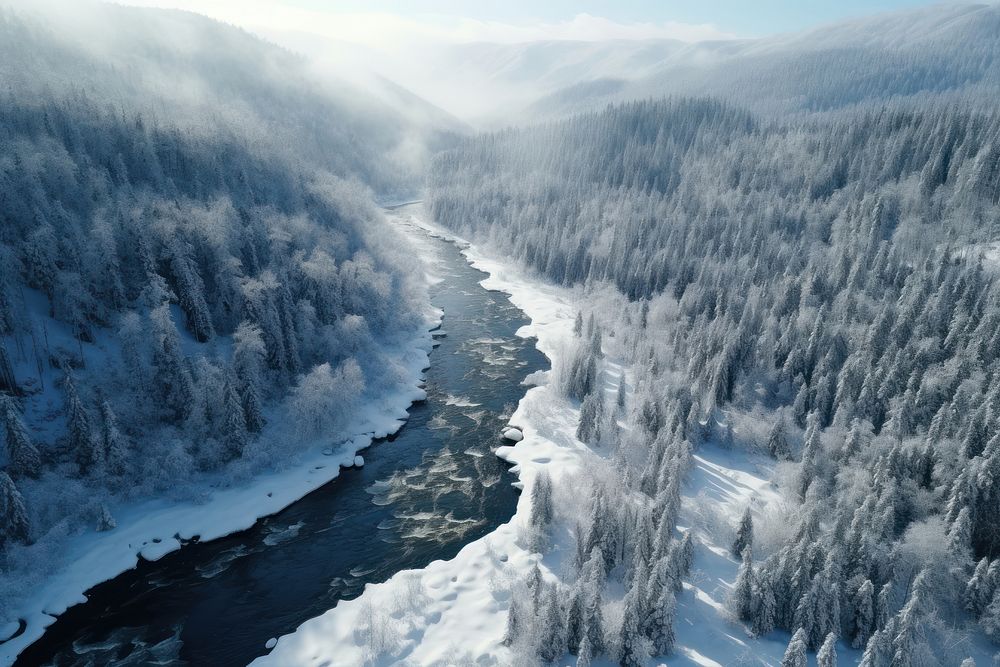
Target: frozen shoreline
[153, 528]
[450, 612]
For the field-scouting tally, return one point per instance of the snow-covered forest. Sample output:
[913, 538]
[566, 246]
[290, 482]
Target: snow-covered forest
[194, 282]
[822, 290]
[767, 267]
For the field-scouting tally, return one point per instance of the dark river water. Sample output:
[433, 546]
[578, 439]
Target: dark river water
[421, 496]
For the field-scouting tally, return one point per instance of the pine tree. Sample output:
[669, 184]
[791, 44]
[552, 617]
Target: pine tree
[588, 430]
[631, 652]
[515, 620]
[578, 324]
[878, 652]
[552, 641]
[863, 615]
[795, 654]
[24, 458]
[908, 621]
[810, 455]
[659, 626]
[575, 618]
[744, 534]
[248, 357]
[85, 447]
[777, 441]
[741, 597]
[593, 580]
[585, 655]
[105, 521]
[235, 434]
[172, 374]
[979, 589]
[990, 619]
[827, 656]
[686, 559]
[541, 501]
[882, 606]
[114, 443]
[13, 516]
[765, 610]
[960, 539]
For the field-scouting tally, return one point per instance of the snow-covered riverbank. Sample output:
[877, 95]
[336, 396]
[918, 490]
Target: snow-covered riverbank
[454, 612]
[153, 528]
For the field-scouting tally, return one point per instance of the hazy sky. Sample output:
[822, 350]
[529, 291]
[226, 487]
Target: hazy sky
[742, 17]
[372, 21]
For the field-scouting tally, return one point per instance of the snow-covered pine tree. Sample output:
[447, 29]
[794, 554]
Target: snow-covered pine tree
[744, 534]
[777, 441]
[795, 654]
[552, 631]
[248, 357]
[13, 516]
[591, 419]
[827, 655]
[85, 446]
[235, 434]
[632, 650]
[173, 379]
[116, 447]
[741, 598]
[862, 621]
[24, 458]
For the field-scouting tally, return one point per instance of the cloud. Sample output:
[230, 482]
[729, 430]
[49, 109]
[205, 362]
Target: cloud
[386, 30]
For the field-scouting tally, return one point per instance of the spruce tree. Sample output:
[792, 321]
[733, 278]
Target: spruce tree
[575, 617]
[862, 620]
[777, 441]
[114, 443]
[795, 654]
[631, 648]
[744, 534]
[659, 626]
[13, 516]
[85, 447]
[827, 655]
[235, 434]
[552, 639]
[24, 458]
[741, 597]
[585, 656]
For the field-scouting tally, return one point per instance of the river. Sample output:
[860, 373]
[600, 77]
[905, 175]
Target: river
[422, 494]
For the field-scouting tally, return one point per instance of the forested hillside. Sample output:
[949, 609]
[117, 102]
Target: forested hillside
[820, 288]
[194, 283]
[947, 50]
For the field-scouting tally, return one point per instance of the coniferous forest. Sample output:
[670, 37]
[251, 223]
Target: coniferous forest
[764, 274]
[832, 276]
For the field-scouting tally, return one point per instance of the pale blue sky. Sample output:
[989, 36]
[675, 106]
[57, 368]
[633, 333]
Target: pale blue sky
[741, 17]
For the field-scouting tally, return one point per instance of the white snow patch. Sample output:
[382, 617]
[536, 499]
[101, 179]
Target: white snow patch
[513, 434]
[359, 461]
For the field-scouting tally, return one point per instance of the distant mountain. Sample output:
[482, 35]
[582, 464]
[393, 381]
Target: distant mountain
[946, 50]
[207, 77]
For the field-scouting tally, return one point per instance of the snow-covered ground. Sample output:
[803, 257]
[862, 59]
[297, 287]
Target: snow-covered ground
[454, 612]
[156, 527]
